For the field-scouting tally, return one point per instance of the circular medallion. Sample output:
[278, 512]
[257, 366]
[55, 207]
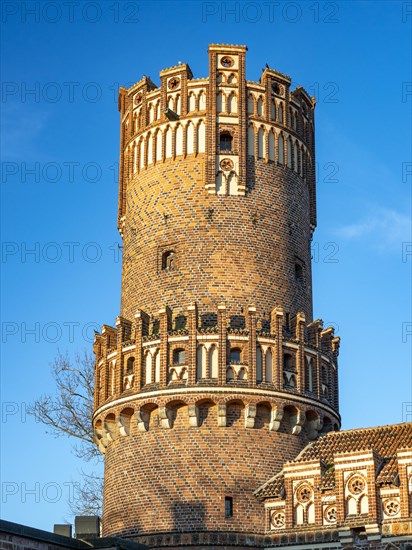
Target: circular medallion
[330, 514]
[226, 164]
[277, 88]
[304, 493]
[138, 99]
[277, 519]
[356, 485]
[391, 507]
[174, 83]
[227, 62]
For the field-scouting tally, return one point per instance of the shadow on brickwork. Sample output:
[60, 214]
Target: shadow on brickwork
[188, 516]
[208, 319]
[237, 321]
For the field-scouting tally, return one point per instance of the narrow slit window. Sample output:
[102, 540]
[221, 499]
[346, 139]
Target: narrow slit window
[299, 273]
[228, 507]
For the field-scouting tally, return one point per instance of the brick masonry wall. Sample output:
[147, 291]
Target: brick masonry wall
[239, 250]
[175, 480]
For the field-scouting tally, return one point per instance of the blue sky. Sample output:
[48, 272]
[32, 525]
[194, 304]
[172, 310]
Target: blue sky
[59, 193]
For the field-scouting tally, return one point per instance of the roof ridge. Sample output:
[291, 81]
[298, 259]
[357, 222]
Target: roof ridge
[391, 426]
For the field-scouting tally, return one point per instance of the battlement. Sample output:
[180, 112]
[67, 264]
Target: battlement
[175, 352]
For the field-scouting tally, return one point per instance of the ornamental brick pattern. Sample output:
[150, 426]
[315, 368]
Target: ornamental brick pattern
[359, 484]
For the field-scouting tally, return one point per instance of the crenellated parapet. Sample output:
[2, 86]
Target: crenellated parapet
[178, 352]
[229, 120]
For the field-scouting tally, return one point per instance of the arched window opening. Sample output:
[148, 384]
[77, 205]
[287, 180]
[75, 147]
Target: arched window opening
[288, 363]
[271, 146]
[168, 148]
[179, 356]
[141, 162]
[179, 141]
[225, 141]
[268, 366]
[159, 145]
[190, 139]
[219, 102]
[191, 102]
[130, 366]
[201, 363]
[235, 354]
[250, 104]
[295, 157]
[202, 101]
[151, 113]
[259, 364]
[149, 149]
[280, 114]
[232, 104]
[289, 153]
[148, 368]
[309, 374]
[251, 141]
[281, 150]
[260, 107]
[213, 362]
[157, 367]
[177, 105]
[201, 137]
[273, 110]
[261, 143]
[112, 379]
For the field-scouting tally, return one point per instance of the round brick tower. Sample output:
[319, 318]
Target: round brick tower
[216, 373]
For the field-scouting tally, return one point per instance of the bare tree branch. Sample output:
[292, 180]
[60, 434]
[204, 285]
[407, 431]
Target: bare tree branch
[68, 412]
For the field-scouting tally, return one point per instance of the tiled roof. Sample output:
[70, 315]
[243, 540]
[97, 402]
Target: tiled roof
[272, 488]
[384, 440]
